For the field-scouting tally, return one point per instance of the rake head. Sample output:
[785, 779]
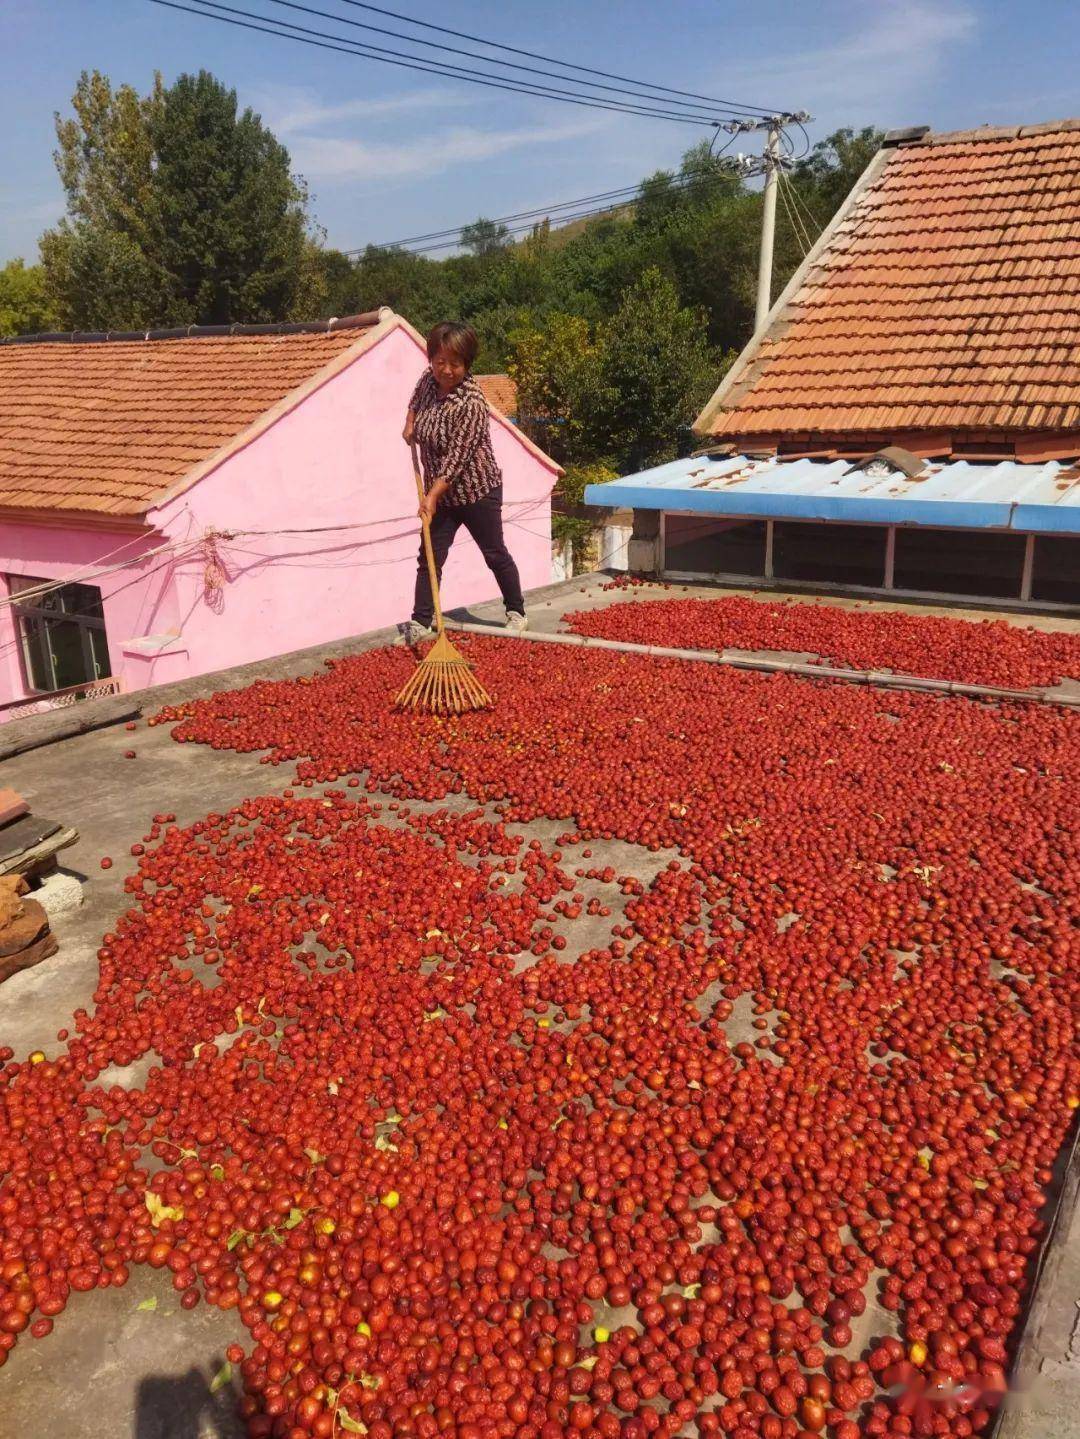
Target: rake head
[443, 683]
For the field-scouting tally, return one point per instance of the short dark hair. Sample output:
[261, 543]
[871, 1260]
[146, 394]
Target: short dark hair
[459, 339]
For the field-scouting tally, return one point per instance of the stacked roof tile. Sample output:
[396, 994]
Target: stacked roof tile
[500, 391]
[946, 300]
[109, 426]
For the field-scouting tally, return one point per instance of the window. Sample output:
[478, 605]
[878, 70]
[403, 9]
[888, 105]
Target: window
[959, 562]
[831, 554]
[708, 545]
[61, 633]
[1057, 569]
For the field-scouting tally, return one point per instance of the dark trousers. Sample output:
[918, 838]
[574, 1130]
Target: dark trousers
[483, 520]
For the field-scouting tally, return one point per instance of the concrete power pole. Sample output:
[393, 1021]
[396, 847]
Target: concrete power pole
[768, 225]
[770, 164]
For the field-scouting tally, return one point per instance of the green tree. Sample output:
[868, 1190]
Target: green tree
[24, 303]
[703, 179]
[619, 393]
[556, 370]
[99, 279]
[656, 369]
[339, 283]
[99, 262]
[180, 210]
[835, 163]
[105, 153]
[417, 287]
[485, 237]
[230, 219]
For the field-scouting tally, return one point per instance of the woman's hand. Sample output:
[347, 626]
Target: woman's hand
[408, 434]
[430, 502]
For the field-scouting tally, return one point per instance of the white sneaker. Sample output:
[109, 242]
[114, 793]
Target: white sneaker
[415, 632]
[516, 624]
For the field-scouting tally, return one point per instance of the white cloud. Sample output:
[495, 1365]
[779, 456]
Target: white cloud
[430, 154]
[289, 110]
[879, 67]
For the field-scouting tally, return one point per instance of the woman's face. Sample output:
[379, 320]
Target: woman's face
[448, 369]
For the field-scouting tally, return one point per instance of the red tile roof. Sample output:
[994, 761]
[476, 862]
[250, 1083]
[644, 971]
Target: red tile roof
[109, 426]
[945, 300]
[500, 391]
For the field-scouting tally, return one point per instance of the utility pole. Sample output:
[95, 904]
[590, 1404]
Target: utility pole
[771, 163]
[768, 226]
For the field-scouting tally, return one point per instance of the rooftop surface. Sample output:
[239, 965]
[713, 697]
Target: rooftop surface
[129, 1356]
[107, 425]
[945, 298]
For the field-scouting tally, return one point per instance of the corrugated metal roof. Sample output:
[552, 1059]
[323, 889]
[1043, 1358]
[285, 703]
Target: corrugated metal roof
[957, 494]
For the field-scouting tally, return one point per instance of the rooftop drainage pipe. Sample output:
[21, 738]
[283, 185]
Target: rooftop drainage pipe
[742, 661]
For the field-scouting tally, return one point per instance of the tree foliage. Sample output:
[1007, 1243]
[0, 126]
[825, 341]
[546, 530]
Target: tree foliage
[24, 304]
[835, 163]
[656, 371]
[698, 225]
[484, 237]
[618, 392]
[556, 370]
[181, 209]
[230, 219]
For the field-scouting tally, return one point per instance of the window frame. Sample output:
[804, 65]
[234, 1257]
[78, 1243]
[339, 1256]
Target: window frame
[86, 623]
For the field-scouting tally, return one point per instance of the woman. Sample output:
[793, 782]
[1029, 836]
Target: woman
[448, 419]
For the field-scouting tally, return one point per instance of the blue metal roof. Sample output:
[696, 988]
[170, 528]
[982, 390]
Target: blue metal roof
[958, 494]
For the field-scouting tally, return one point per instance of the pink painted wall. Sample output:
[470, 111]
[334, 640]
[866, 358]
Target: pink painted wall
[336, 460]
[137, 600]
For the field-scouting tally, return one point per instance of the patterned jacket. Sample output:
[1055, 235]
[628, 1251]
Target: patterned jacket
[454, 438]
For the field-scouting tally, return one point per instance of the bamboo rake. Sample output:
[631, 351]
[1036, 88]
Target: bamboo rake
[443, 681]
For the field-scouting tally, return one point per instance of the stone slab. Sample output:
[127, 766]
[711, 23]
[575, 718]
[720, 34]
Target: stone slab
[23, 928]
[43, 948]
[25, 833]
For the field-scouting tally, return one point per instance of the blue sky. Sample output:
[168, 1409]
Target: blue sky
[389, 153]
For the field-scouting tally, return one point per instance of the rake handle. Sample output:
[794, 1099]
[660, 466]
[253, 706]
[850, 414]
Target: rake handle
[428, 551]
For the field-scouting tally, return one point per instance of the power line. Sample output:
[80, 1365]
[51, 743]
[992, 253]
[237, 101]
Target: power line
[542, 211]
[793, 219]
[740, 166]
[33, 593]
[801, 203]
[521, 229]
[630, 194]
[78, 576]
[539, 211]
[183, 551]
[528, 226]
[693, 105]
[550, 60]
[322, 40]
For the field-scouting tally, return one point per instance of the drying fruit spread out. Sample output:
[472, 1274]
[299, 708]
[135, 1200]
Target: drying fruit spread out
[463, 1174]
[983, 652]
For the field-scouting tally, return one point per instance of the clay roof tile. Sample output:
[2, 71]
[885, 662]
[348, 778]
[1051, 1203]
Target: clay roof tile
[968, 235]
[109, 425]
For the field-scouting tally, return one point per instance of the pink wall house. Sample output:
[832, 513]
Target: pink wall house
[210, 499]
